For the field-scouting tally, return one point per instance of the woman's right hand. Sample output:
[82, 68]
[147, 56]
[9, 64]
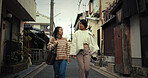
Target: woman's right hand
[55, 43]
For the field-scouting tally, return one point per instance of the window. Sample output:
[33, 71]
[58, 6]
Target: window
[94, 4]
[44, 27]
[37, 15]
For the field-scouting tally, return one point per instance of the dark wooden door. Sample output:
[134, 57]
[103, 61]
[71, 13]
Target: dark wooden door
[108, 40]
[118, 49]
[144, 40]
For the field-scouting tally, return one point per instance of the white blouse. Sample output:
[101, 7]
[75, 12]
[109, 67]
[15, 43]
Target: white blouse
[79, 38]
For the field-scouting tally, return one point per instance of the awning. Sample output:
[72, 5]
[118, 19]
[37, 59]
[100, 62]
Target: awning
[38, 34]
[111, 19]
[14, 7]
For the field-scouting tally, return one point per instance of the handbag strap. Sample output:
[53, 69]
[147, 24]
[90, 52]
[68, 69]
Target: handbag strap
[55, 47]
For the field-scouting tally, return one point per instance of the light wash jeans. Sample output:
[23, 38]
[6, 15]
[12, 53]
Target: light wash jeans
[60, 68]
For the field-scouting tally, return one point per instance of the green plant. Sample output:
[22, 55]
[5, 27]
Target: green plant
[22, 52]
[26, 39]
[14, 58]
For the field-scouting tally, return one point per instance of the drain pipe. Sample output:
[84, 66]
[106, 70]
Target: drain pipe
[101, 51]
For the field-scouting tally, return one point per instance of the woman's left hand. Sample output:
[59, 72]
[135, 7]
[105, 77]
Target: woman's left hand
[68, 61]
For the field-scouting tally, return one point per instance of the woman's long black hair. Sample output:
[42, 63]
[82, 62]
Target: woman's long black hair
[56, 31]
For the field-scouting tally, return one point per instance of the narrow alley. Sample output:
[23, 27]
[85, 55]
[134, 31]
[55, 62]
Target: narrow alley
[110, 35]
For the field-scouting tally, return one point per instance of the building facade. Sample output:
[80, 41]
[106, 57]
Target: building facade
[125, 32]
[13, 14]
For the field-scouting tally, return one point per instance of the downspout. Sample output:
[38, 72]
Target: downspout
[100, 12]
[101, 51]
[89, 7]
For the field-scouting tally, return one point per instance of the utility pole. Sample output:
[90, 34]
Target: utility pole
[51, 17]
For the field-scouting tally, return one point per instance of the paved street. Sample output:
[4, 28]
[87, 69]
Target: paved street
[71, 72]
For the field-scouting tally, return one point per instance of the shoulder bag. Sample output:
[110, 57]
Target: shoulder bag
[51, 56]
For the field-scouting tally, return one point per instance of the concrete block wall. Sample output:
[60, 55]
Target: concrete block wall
[111, 67]
[139, 72]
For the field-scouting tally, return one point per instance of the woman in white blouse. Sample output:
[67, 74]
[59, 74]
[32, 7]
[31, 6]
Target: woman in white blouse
[83, 46]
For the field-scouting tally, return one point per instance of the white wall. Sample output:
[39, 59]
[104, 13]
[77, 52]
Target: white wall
[36, 26]
[40, 19]
[94, 27]
[135, 36]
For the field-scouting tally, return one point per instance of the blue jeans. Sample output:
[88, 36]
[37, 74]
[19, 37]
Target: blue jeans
[60, 68]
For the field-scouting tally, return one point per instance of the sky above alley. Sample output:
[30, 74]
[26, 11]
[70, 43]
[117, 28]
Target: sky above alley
[65, 12]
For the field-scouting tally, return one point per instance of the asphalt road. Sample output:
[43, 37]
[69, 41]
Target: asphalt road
[71, 71]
